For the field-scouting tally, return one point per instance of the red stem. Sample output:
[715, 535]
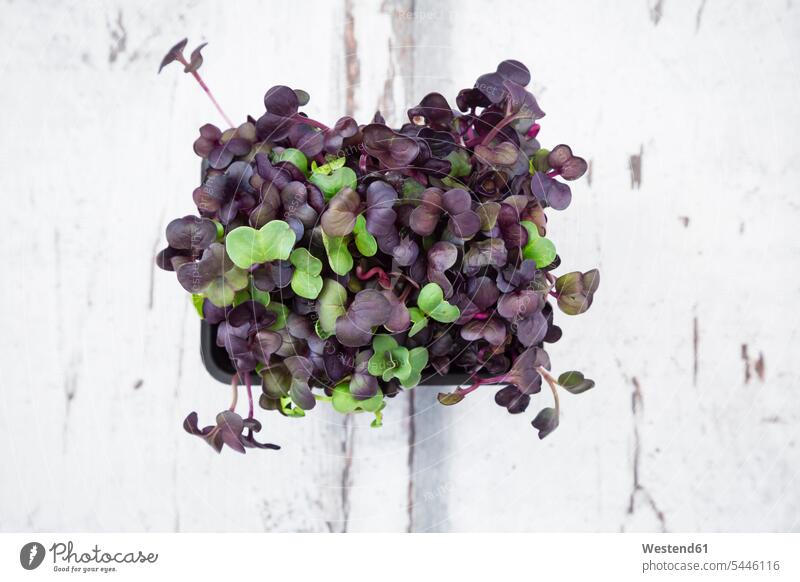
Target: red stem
[234, 386]
[309, 121]
[249, 384]
[496, 129]
[205, 88]
[553, 173]
[404, 294]
[369, 274]
[383, 278]
[481, 382]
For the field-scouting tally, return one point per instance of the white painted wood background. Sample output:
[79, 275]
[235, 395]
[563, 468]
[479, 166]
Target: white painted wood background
[692, 338]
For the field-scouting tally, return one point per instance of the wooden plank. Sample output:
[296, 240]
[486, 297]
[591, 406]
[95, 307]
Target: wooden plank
[689, 214]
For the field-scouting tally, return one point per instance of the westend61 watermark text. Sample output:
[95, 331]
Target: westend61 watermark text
[96, 559]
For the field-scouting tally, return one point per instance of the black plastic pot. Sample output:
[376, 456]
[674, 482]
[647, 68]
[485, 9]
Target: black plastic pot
[219, 365]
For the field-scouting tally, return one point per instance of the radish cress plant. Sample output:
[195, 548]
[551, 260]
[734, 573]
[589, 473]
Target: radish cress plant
[344, 263]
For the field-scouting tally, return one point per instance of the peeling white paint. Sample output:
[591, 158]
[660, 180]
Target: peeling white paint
[99, 371]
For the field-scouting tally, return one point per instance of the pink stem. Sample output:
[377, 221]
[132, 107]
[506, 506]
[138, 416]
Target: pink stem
[496, 129]
[249, 384]
[554, 294]
[369, 274]
[205, 88]
[482, 315]
[309, 121]
[235, 387]
[481, 382]
[533, 131]
[553, 173]
[383, 278]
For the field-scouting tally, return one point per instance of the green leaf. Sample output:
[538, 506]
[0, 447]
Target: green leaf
[219, 293]
[445, 313]
[383, 343]
[575, 291]
[240, 297]
[402, 365]
[276, 381]
[321, 333]
[419, 320]
[591, 281]
[431, 301]
[339, 258]
[488, 213]
[197, 301]
[373, 404]
[305, 261]
[569, 283]
[331, 184]
[222, 290]
[346, 403]
[306, 285]
[247, 246]
[331, 305]
[418, 327]
[538, 248]
[539, 160]
[288, 410]
[365, 242]
[430, 297]
[293, 156]
[257, 294]
[220, 230]
[328, 167]
[382, 363]
[282, 312]
[418, 358]
[378, 422]
[571, 304]
[449, 399]
[459, 163]
[411, 189]
[574, 382]
[306, 281]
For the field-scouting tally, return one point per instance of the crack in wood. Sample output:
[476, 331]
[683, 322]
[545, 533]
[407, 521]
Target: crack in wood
[698, 18]
[637, 404]
[635, 167]
[346, 483]
[656, 11]
[746, 360]
[695, 346]
[119, 39]
[412, 438]
[758, 366]
[352, 66]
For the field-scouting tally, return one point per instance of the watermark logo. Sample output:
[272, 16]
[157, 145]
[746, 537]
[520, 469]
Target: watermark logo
[31, 555]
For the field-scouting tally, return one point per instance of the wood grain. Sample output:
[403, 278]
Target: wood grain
[689, 118]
